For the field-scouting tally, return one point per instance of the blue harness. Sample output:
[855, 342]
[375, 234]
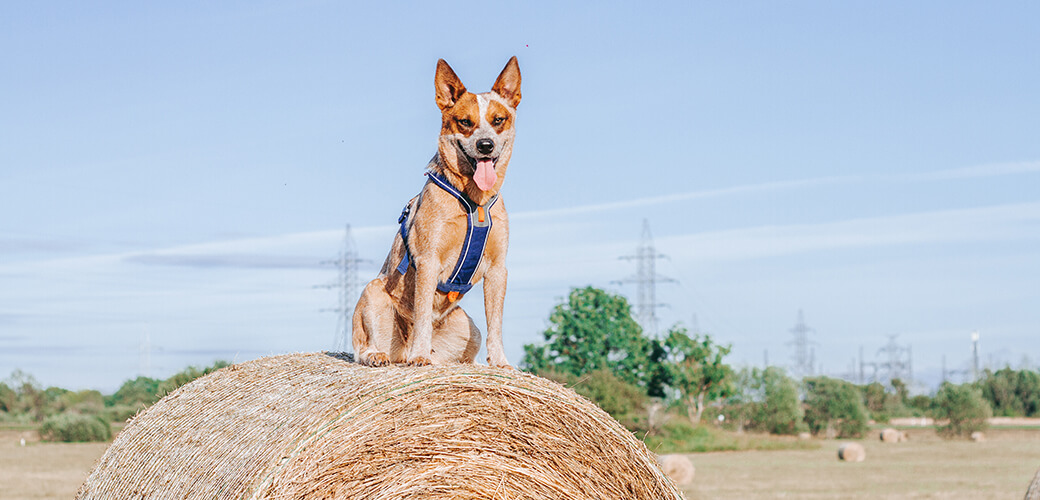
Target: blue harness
[478, 225]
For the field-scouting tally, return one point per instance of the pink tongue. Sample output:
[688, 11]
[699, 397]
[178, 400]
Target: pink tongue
[485, 175]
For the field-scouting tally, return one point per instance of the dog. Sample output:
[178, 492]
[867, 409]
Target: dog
[410, 312]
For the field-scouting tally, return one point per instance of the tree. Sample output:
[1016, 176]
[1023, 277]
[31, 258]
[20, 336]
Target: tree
[696, 369]
[137, 393]
[8, 399]
[778, 411]
[592, 330]
[766, 400]
[740, 406]
[874, 397]
[30, 398]
[834, 404]
[963, 407]
[1012, 393]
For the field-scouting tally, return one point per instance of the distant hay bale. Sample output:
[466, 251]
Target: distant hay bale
[319, 426]
[1033, 493]
[804, 435]
[678, 467]
[890, 435]
[978, 436]
[852, 452]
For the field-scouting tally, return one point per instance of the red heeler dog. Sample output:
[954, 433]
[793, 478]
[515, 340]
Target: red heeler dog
[453, 234]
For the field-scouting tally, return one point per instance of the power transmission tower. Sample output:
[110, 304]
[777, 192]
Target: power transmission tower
[347, 284]
[146, 354]
[646, 278]
[975, 356]
[803, 353]
[895, 361]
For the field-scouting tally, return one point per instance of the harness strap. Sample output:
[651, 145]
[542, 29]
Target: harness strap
[478, 226]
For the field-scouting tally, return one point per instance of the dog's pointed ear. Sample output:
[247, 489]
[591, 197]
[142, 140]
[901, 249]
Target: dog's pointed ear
[508, 83]
[449, 87]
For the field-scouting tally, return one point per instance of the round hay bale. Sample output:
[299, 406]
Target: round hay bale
[852, 452]
[903, 436]
[1033, 493]
[890, 435]
[978, 436]
[804, 435]
[678, 467]
[320, 426]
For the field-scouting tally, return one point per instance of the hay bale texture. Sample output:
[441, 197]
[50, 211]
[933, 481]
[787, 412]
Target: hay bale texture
[1033, 493]
[319, 426]
[852, 452]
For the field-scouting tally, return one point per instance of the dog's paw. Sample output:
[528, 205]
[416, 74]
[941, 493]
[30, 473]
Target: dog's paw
[376, 359]
[420, 361]
[499, 363]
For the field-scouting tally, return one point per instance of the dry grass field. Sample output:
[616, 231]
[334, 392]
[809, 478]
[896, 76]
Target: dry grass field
[43, 470]
[925, 467]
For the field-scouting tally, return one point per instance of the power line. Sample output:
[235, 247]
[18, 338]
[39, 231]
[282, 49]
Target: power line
[804, 354]
[348, 286]
[896, 361]
[646, 279]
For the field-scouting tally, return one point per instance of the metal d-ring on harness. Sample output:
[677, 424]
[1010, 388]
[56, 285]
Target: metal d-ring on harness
[478, 226]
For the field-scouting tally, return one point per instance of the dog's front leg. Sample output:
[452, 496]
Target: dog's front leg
[422, 328]
[494, 297]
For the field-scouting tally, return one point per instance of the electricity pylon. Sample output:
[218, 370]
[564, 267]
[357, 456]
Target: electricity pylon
[646, 279]
[347, 284]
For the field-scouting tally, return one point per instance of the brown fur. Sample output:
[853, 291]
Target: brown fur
[405, 319]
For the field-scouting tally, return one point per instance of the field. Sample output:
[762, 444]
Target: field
[43, 470]
[925, 467]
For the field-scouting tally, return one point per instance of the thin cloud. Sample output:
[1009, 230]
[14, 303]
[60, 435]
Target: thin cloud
[690, 195]
[235, 261]
[996, 223]
[975, 171]
[987, 170]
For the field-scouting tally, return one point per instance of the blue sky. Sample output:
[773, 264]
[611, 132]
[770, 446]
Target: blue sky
[177, 171]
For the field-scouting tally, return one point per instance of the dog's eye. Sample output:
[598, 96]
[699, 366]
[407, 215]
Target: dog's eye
[498, 120]
[464, 122]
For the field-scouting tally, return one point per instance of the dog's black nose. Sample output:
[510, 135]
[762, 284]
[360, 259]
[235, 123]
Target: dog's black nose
[485, 146]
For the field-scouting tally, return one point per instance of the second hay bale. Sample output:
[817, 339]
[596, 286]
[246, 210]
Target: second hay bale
[891, 435]
[678, 467]
[852, 452]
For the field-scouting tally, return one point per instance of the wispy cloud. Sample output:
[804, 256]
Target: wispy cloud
[689, 195]
[978, 171]
[975, 171]
[987, 224]
[16, 245]
[240, 261]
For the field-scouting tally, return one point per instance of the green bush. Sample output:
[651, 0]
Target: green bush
[74, 427]
[834, 404]
[964, 408]
[679, 435]
[778, 411]
[1012, 393]
[618, 398]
